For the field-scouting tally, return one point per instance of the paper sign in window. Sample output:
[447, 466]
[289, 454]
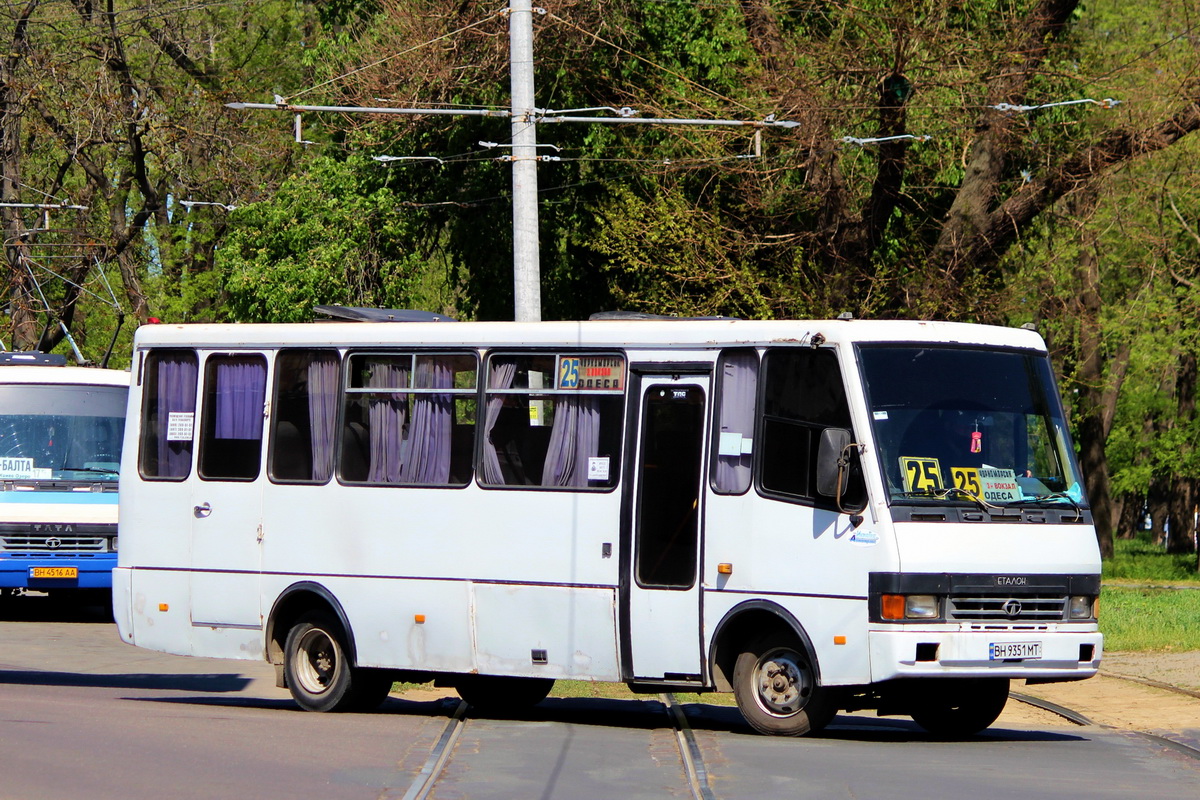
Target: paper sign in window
[598, 468]
[179, 426]
[734, 445]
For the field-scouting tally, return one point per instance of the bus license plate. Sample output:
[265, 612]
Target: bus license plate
[54, 572]
[1002, 651]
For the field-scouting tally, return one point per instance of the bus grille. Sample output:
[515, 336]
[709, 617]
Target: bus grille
[41, 544]
[1030, 608]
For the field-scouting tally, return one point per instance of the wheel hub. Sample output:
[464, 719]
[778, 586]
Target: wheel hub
[783, 684]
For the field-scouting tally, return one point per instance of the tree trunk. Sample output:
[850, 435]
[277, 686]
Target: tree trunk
[1181, 538]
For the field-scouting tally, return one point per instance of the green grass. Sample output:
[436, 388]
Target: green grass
[1142, 604]
[1142, 560]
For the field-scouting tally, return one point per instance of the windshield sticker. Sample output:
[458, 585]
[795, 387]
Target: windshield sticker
[880, 415]
[179, 426]
[17, 468]
[921, 474]
[734, 445]
[999, 485]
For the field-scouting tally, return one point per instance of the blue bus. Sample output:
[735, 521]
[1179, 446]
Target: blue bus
[61, 430]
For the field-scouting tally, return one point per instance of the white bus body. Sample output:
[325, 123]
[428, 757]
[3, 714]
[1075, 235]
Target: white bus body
[61, 430]
[497, 505]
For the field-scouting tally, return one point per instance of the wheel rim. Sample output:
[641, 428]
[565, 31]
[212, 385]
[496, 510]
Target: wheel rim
[782, 682]
[316, 661]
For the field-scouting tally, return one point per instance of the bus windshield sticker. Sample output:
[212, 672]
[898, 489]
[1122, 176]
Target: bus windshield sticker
[17, 469]
[921, 474]
[734, 445]
[179, 426]
[605, 373]
[598, 468]
[999, 485]
[880, 415]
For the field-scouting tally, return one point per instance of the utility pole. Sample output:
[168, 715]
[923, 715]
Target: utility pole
[527, 286]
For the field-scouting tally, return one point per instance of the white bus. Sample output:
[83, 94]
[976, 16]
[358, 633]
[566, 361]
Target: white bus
[816, 515]
[61, 430]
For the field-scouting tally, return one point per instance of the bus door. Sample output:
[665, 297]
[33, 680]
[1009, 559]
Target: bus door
[227, 494]
[661, 592]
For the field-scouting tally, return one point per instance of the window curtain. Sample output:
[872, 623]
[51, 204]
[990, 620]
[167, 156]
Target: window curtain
[322, 413]
[385, 412]
[176, 394]
[500, 376]
[739, 385]
[427, 449]
[241, 387]
[574, 438]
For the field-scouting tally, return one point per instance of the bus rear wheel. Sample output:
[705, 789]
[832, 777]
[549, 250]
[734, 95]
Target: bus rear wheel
[496, 694]
[959, 707]
[319, 674]
[776, 689]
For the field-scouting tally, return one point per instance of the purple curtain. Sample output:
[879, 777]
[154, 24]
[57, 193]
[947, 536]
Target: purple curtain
[385, 411]
[574, 439]
[427, 448]
[500, 376]
[176, 393]
[322, 413]
[739, 385]
[241, 388]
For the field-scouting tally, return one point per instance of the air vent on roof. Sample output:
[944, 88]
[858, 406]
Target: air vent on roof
[352, 314]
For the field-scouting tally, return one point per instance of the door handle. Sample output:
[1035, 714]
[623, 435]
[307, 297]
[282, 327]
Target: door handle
[203, 510]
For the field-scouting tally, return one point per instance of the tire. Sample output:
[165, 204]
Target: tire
[962, 707]
[319, 674]
[495, 694]
[775, 685]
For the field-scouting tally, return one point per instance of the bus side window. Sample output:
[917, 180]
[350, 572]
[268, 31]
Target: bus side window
[737, 389]
[803, 395]
[235, 389]
[552, 420]
[304, 416]
[409, 419]
[168, 414]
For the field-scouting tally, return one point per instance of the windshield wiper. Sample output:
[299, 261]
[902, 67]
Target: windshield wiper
[95, 470]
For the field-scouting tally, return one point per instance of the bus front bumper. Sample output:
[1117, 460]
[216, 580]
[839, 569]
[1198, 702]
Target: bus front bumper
[40, 573]
[1062, 653]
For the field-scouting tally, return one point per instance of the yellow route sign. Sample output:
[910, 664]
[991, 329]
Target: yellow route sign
[921, 474]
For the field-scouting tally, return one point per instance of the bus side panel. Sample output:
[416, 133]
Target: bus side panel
[157, 602]
[385, 619]
[546, 631]
[810, 561]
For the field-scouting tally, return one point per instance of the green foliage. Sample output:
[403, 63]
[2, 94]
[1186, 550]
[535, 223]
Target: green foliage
[331, 235]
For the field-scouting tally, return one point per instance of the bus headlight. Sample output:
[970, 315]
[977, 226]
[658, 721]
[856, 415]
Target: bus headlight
[910, 606]
[1081, 607]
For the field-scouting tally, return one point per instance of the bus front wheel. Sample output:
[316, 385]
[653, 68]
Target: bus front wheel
[776, 689]
[320, 676]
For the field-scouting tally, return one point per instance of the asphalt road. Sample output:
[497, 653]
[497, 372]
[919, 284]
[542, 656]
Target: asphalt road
[83, 715]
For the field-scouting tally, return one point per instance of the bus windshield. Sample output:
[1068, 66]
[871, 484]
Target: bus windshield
[969, 425]
[61, 432]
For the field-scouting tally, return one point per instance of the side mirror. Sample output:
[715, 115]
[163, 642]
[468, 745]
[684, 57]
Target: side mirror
[838, 472]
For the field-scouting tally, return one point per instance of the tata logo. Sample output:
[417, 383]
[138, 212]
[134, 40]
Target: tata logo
[53, 543]
[45, 527]
[1012, 609]
[1011, 580]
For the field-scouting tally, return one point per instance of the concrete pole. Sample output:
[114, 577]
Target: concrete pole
[527, 289]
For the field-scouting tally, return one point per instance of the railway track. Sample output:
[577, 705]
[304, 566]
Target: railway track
[694, 775]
